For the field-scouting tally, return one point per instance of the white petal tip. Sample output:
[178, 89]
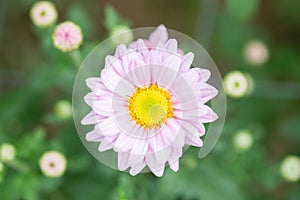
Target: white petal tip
[174, 165]
[92, 82]
[86, 121]
[161, 26]
[196, 142]
[104, 146]
[159, 173]
[189, 57]
[133, 173]
[93, 136]
[172, 45]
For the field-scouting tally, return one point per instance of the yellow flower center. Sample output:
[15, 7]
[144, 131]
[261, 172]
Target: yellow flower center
[150, 106]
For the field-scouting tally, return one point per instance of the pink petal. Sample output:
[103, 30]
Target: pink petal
[109, 128]
[201, 129]
[156, 143]
[126, 125]
[110, 79]
[124, 89]
[93, 83]
[210, 115]
[135, 159]
[137, 168]
[163, 155]
[191, 77]
[205, 92]
[132, 45]
[196, 142]
[141, 48]
[92, 118]
[191, 135]
[169, 131]
[173, 62]
[132, 60]
[116, 83]
[123, 163]
[173, 161]
[155, 57]
[140, 146]
[187, 62]
[156, 167]
[90, 98]
[163, 76]
[105, 145]
[123, 143]
[179, 140]
[204, 74]
[140, 77]
[184, 92]
[94, 136]
[171, 45]
[120, 50]
[103, 106]
[115, 64]
[159, 35]
[176, 153]
[174, 165]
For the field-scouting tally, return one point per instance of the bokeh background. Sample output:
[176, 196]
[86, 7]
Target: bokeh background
[35, 78]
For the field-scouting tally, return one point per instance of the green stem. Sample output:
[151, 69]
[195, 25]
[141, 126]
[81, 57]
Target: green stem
[18, 165]
[76, 58]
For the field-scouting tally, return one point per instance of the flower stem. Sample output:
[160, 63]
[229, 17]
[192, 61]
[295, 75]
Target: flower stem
[76, 58]
[18, 165]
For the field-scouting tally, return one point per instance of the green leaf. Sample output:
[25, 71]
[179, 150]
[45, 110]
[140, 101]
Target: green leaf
[112, 18]
[32, 145]
[207, 182]
[79, 15]
[20, 186]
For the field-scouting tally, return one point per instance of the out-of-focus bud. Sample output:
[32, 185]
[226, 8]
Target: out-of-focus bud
[238, 84]
[53, 164]
[63, 109]
[67, 36]
[43, 14]
[290, 168]
[121, 34]
[243, 140]
[256, 52]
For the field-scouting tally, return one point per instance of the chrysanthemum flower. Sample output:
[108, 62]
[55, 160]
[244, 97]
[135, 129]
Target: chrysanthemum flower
[256, 52]
[121, 34]
[67, 36]
[290, 168]
[148, 103]
[243, 140]
[237, 84]
[43, 14]
[53, 164]
[7, 152]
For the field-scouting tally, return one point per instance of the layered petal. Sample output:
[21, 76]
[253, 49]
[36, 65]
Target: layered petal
[158, 36]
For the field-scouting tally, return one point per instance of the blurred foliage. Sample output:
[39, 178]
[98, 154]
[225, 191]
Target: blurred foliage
[271, 113]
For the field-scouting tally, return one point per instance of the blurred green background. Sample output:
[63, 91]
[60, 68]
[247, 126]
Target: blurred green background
[34, 77]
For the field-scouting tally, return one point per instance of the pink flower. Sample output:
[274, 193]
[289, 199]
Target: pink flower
[148, 103]
[67, 36]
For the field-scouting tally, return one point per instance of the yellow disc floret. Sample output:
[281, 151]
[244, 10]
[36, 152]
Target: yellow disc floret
[150, 106]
